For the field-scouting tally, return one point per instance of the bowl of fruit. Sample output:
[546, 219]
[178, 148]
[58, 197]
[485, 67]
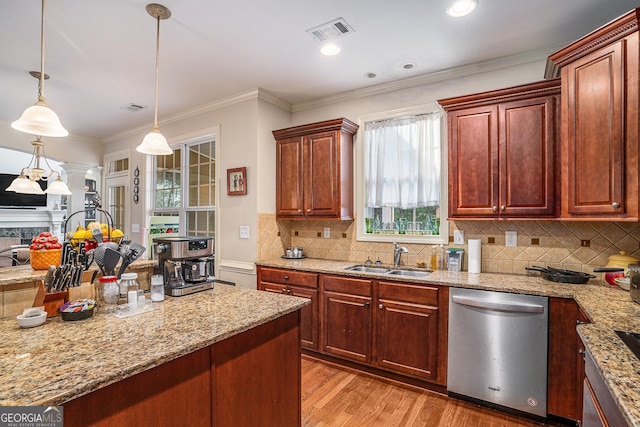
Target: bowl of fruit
[45, 250]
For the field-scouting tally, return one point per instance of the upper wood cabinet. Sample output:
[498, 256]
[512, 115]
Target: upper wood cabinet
[314, 170]
[502, 152]
[599, 130]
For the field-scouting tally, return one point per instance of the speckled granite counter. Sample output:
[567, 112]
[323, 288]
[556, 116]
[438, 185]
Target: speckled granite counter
[608, 308]
[59, 361]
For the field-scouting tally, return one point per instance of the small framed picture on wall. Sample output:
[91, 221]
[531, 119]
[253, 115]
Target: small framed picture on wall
[237, 181]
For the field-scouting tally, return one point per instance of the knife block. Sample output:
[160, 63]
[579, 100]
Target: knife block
[51, 302]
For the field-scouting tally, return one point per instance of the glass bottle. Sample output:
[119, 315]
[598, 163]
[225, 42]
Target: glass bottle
[109, 293]
[129, 286]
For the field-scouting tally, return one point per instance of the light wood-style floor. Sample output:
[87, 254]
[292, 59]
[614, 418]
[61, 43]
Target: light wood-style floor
[337, 396]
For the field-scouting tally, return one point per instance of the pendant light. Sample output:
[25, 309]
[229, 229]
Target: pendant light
[39, 119]
[154, 142]
[27, 182]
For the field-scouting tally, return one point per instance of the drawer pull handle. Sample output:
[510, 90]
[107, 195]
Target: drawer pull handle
[381, 306]
[495, 209]
[286, 277]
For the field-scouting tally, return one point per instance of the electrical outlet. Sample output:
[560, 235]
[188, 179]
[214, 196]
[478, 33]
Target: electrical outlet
[244, 231]
[327, 232]
[458, 237]
[511, 238]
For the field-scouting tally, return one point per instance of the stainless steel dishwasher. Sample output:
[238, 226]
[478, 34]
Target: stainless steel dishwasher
[498, 349]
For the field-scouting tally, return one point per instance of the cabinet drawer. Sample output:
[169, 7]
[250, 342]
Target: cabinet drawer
[408, 292]
[347, 285]
[289, 277]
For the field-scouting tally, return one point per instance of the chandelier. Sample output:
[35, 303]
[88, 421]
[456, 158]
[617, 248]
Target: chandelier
[27, 182]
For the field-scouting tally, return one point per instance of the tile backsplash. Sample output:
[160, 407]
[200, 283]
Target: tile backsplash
[580, 246]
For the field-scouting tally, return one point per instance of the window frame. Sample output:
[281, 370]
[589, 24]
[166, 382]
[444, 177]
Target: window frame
[183, 144]
[359, 203]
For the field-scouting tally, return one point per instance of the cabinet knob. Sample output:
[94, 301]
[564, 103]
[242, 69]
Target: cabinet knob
[308, 210]
[367, 304]
[299, 210]
[503, 208]
[615, 205]
[289, 291]
[381, 306]
[286, 277]
[284, 290]
[495, 209]
[579, 322]
[581, 351]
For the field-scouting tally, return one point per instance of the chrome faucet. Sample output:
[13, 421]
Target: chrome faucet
[397, 252]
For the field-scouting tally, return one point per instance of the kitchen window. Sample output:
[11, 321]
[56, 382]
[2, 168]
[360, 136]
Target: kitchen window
[185, 186]
[401, 186]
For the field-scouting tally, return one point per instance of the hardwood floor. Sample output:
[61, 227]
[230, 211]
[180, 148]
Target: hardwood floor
[333, 395]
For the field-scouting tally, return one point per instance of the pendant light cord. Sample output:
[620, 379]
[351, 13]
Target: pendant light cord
[155, 117]
[41, 82]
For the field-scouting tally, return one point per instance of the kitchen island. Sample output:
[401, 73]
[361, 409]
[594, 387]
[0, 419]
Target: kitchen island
[202, 359]
[608, 309]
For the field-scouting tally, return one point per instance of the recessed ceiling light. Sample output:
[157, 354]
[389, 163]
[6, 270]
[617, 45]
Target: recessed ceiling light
[330, 49]
[408, 65]
[462, 8]
[370, 75]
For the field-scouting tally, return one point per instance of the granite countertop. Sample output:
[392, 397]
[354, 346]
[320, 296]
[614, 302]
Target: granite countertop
[608, 308]
[59, 361]
[24, 273]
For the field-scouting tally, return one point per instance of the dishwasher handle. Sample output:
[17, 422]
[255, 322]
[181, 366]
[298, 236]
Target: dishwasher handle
[511, 307]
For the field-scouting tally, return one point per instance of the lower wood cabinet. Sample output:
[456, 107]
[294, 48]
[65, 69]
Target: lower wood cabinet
[347, 317]
[407, 328]
[566, 359]
[297, 284]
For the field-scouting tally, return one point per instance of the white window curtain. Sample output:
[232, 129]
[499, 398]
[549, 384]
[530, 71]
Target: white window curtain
[402, 166]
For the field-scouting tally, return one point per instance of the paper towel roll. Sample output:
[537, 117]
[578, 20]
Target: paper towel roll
[475, 255]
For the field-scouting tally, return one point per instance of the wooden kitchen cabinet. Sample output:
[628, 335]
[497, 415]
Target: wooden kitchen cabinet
[502, 152]
[298, 284]
[599, 130]
[410, 329]
[566, 359]
[314, 170]
[347, 317]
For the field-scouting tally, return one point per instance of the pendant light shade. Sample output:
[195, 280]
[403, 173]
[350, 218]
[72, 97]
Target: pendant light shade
[58, 187]
[39, 119]
[154, 142]
[24, 185]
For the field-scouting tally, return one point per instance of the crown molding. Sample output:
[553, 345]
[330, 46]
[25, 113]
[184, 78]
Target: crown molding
[256, 93]
[424, 79]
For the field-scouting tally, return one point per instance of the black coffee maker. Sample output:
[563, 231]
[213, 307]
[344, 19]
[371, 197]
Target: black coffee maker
[186, 263]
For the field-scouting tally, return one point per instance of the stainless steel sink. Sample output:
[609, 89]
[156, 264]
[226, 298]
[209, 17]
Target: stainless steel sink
[632, 341]
[412, 273]
[365, 269]
[382, 270]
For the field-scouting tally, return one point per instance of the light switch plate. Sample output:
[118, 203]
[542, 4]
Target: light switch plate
[244, 231]
[511, 238]
[458, 237]
[327, 232]
[135, 228]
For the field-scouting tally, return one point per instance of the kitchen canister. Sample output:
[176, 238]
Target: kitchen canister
[475, 256]
[157, 288]
[454, 259]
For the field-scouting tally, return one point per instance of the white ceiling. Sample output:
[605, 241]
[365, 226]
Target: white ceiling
[101, 55]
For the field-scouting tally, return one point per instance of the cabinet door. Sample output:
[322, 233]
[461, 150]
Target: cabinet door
[527, 156]
[592, 415]
[347, 326]
[308, 317]
[322, 167]
[593, 133]
[407, 338]
[473, 162]
[289, 177]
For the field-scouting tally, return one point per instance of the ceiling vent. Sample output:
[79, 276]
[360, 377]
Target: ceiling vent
[132, 107]
[331, 30]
